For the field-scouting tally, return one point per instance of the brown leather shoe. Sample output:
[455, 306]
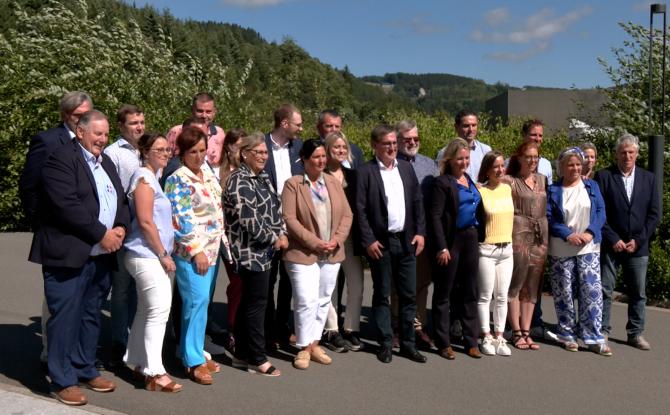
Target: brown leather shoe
[474, 353]
[318, 355]
[100, 384]
[72, 395]
[448, 353]
[200, 374]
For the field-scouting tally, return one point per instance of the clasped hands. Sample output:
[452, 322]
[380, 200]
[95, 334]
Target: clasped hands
[113, 239]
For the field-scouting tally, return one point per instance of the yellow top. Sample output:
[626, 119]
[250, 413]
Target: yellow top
[499, 213]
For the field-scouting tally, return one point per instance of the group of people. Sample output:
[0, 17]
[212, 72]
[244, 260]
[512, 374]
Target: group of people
[153, 216]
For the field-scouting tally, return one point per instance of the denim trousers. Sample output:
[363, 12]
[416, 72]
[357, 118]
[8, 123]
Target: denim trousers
[635, 280]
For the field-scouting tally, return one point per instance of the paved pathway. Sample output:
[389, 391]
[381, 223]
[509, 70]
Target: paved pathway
[549, 381]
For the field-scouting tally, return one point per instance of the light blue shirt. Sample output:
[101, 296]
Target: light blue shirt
[544, 168]
[107, 197]
[126, 159]
[136, 244]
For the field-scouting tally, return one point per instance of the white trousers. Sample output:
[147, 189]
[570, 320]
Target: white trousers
[353, 274]
[495, 275]
[312, 289]
[154, 297]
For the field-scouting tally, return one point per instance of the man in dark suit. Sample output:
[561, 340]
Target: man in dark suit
[72, 106]
[633, 210]
[330, 121]
[83, 216]
[392, 225]
[283, 162]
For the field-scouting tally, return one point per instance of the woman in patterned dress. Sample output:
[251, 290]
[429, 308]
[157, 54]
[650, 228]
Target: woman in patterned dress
[257, 231]
[576, 214]
[529, 240]
[197, 215]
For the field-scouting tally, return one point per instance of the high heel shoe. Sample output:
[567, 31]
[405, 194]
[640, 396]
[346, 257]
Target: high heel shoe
[150, 384]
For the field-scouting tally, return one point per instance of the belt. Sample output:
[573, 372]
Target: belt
[396, 235]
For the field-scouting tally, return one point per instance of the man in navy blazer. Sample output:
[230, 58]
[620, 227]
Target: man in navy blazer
[632, 205]
[82, 221]
[72, 106]
[331, 121]
[392, 225]
[283, 162]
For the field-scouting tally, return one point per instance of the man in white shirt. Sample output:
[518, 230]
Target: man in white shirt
[284, 146]
[466, 124]
[533, 130]
[126, 158]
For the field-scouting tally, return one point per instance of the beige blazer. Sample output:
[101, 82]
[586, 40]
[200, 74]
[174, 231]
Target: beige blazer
[300, 218]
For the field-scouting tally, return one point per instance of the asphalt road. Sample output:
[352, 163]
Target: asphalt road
[548, 381]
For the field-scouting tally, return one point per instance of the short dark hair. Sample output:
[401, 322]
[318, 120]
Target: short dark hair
[192, 120]
[380, 131]
[283, 112]
[458, 119]
[202, 97]
[147, 141]
[125, 110]
[328, 112]
[188, 138]
[529, 124]
[308, 148]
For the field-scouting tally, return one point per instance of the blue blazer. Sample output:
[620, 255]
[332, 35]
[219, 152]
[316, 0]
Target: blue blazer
[30, 183]
[294, 148]
[371, 212]
[557, 226]
[635, 219]
[68, 215]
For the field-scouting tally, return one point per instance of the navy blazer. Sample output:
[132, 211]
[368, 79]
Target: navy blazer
[69, 225]
[30, 183]
[635, 219]
[556, 219]
[294, 147]
[443, 211]
[371, 212]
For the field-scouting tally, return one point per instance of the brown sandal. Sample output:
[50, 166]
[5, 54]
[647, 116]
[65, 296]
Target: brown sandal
[199, 374]
[151, 385]
[212, 366]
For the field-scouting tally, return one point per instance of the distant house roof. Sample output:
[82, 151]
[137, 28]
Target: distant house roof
[554, 107]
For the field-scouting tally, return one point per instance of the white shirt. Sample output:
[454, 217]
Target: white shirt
[544, 168]
[395, 196]
[576, 216]
[282, 162]
[628, 181]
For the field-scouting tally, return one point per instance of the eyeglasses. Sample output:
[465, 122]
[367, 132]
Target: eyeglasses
[531, 158]
[388, 144]
[161, 150]
[410, 139]
[259, 153]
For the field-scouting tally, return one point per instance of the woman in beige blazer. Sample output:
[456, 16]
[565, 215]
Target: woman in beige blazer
[318, 219]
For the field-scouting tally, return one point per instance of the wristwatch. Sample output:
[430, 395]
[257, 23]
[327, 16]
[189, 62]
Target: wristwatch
[163, 254]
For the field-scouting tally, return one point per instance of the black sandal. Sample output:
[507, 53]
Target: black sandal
[269, 372]
[519, 340]
[529, 341]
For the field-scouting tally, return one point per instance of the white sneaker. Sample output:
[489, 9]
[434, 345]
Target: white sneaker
[502, 349]
[487, 346]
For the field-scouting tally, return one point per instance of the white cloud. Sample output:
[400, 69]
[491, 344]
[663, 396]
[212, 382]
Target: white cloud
[536, 31]
[254, 3]
[418, 25]
[497, 16]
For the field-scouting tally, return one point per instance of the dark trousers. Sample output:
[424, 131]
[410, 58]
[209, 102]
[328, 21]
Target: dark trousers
[397, 267]
[74, 297]
[233, 293]
[461, 271]
[250, 319]
[277, 319]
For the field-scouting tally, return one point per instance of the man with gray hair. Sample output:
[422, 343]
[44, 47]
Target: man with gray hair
[425, 168]
[83, 219]
[632, 204]
[72, 106]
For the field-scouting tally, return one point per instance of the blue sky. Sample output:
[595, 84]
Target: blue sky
[543, 43]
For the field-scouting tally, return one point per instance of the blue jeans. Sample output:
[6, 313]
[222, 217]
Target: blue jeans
[124, 301]
[635, 281]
